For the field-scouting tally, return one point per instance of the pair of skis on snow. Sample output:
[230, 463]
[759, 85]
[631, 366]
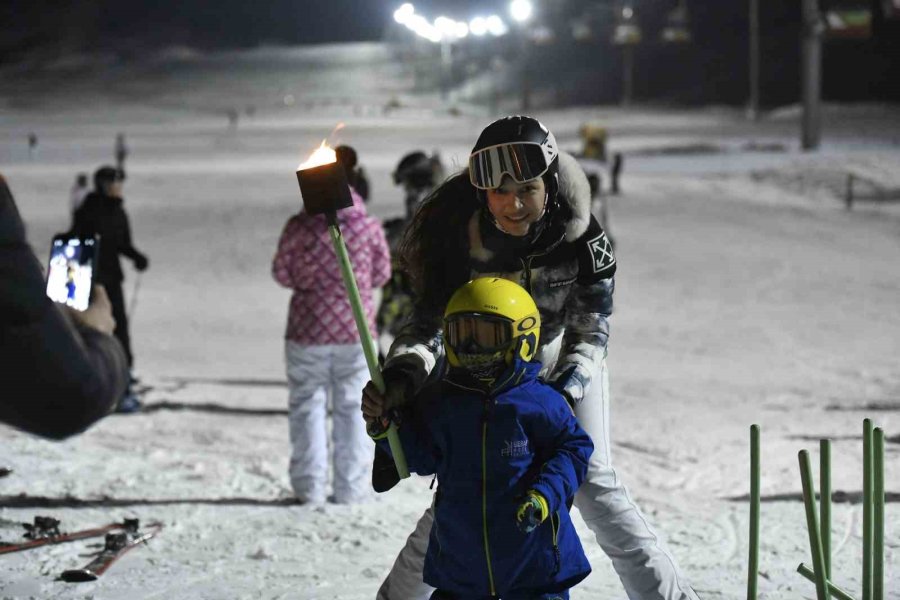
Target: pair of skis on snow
[120, 538]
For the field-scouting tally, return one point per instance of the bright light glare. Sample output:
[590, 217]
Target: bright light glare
[478, 26]
[423, 28]
[445, 26]
[323, 155]
[461, 29]
[520, 10]
[496, 26]
[402, 14]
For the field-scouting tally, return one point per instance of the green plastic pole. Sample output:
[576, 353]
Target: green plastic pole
[753, 561]
[839, 593]
[812, 524]
[365, 337]
[867, 511]
[878, 517]
[825, 502]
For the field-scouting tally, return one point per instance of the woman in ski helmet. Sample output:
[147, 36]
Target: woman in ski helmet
[521, 211]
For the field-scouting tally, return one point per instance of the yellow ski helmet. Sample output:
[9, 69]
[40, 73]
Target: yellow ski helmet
[490, 321]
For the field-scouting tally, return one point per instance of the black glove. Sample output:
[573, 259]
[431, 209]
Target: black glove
[141, 262]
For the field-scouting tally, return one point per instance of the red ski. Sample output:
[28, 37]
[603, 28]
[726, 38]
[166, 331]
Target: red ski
[117, 544]
[45, 531]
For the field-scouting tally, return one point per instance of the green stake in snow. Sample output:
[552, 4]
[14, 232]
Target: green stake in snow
[812, 524]
[835, 591]
[867, 511]
[878, 516]
[825, 502]
[324, 188]
[753, 562]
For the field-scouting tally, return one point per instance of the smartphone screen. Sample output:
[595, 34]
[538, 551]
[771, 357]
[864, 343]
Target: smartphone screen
[71, 272]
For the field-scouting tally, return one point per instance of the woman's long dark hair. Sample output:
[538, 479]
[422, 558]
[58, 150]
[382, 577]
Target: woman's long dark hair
[435, 247]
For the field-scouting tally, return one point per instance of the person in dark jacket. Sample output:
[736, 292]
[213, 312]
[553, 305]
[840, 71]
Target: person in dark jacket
[61, 370]
[102, 213]
[508, 454]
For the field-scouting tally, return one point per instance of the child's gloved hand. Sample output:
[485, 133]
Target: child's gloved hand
[531, 512]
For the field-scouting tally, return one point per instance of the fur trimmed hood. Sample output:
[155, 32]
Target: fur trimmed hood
[575, 192]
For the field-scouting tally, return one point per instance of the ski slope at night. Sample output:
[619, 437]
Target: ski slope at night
[746, 293]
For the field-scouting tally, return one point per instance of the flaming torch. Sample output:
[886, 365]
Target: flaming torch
[324, 189]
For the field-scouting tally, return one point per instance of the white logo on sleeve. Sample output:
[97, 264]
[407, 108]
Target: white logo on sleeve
[601, 252]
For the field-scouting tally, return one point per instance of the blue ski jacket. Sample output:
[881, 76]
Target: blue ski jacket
[488, 450]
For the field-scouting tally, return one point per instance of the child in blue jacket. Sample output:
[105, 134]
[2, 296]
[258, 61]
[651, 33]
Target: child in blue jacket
[507, 452]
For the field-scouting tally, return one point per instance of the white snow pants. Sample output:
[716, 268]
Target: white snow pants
[313, 372]
[647, 569]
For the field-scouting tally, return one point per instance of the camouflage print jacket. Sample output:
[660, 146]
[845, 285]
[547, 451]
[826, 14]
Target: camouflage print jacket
[568, 270]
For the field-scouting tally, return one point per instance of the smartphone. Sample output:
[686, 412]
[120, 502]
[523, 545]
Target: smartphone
[70, 276]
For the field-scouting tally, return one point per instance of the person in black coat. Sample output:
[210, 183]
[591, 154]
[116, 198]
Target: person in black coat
[102, 213]
[60, 370]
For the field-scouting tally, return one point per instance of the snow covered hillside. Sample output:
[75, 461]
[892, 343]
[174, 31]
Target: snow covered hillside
[746, 293]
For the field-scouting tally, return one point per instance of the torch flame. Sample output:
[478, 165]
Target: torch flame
[323, 155]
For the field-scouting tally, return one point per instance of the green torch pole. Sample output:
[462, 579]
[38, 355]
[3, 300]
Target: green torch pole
[365, 337]
[753, 561]
[812, 525]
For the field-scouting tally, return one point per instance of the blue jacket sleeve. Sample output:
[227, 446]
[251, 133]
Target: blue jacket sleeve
[417, 438]
[564, 445]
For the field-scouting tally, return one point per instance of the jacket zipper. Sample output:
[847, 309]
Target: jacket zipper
[487, 548]
[526, 267]
[554, 523]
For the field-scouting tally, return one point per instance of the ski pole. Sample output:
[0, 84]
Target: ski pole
[324, 190]
[134, 295]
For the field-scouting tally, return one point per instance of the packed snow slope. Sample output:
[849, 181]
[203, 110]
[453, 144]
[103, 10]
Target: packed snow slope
[746, 293]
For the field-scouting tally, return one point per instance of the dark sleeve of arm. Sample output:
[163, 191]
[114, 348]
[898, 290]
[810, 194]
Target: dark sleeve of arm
[588, 308]
[57, 381]
[126, 248]
[566, 446]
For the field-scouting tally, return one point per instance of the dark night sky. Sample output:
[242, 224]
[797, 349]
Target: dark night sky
[714, 64]
[31, 23]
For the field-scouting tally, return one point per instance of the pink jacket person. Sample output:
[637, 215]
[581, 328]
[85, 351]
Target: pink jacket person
[307, 263]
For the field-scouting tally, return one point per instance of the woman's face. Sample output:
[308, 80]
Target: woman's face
[516, 206]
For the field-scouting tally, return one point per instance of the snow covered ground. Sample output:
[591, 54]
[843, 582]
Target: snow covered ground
[745, 294]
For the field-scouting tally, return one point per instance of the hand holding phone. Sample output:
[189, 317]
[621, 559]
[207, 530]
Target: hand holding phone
[98, 314]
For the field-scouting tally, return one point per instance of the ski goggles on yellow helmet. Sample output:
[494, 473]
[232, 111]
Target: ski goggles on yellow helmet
[492, 318]
[522, 161]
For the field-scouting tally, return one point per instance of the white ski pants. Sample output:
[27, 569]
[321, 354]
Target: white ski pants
[647, 569]
[314, 373]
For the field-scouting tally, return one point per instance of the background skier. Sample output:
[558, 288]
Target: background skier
[103, 213]
[322, 349]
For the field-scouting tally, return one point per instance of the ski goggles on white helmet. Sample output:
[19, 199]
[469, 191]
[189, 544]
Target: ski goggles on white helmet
[522, 161]
[474, 333]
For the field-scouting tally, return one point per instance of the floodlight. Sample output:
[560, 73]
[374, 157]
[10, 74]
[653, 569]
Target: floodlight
[496, 26]
[402, 14]
[478, 26]
[520, 10]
